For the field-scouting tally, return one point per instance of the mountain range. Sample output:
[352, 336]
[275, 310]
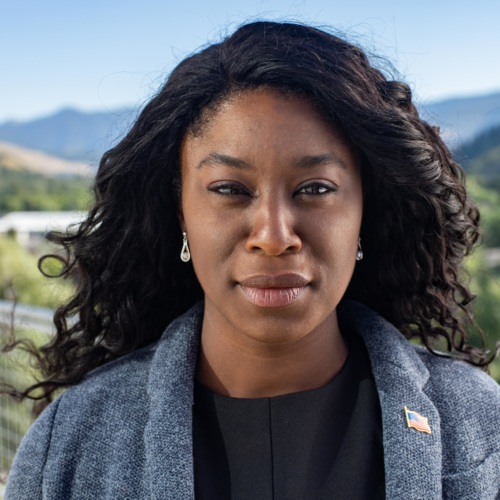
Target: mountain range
[81, 136]
[70, 134]
[462, 119]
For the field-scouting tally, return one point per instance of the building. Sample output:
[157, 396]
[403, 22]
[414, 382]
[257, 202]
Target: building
[29, 228]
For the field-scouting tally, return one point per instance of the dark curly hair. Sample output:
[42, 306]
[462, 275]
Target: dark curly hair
[417, 227]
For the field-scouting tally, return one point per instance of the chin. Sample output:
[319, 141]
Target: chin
[278, 327]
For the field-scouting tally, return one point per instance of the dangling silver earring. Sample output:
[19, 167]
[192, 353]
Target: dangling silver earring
[359, 254]
[185, 253]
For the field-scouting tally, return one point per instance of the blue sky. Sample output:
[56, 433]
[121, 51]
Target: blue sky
[101, 54]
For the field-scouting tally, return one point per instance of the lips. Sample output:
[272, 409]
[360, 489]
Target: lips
[274, 290]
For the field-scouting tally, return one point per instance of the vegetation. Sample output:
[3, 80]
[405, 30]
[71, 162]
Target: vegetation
[481, 160]
[485, 283]
[488, 200]
[22, 190]
[21, 280]
[15, 418]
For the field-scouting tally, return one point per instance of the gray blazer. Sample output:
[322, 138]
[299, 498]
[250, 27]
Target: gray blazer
[125, 431]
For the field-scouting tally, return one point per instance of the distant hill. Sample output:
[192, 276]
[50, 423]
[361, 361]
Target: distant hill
[464, 118]
[481, 156]
[32, 180]
[76, 135]
[69, 133]
[17, 158]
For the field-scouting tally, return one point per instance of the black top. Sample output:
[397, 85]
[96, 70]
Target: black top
[321, 443]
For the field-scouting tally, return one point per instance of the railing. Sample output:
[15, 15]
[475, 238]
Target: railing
[26, 316]
[15, 418]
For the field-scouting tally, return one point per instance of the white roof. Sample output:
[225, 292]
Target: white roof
[39, 222]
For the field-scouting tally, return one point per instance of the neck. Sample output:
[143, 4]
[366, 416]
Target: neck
[235, 365]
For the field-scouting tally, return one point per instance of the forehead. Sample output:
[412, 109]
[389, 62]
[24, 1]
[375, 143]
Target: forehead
[221, 104]
[265, 118]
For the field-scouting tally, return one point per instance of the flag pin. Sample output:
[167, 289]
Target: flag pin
[417, 421]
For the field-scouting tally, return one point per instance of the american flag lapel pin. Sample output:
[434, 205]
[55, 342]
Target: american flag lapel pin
[417, 421]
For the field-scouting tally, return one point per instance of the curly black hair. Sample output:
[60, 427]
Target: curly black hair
[418, 222]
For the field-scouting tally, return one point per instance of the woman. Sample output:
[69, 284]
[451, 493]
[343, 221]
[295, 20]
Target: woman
[321, 220]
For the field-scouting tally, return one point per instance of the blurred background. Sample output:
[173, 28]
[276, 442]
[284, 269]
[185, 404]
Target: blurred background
[76, 74]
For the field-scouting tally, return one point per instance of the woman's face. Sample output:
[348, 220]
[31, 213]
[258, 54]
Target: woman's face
[272, 205]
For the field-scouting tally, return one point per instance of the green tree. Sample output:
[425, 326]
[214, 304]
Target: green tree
[24, 190]
[486, 307]
[488, 201]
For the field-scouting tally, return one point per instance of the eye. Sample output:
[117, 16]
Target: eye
[316, 188]
[228, 189]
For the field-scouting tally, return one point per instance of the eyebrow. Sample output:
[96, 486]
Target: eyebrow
[306, 162]
[214, 159]
[318, 160]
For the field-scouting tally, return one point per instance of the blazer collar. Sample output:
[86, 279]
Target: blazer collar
[168, 434]
[413, 460]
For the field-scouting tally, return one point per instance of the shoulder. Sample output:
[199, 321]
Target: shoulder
[118, 388]
[123, 374]
[468, 401]
[466, 396]
[465, 402]
[84, 421]
[458, 381]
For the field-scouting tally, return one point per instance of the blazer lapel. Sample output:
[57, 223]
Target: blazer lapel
[412, 458]
[168, 434]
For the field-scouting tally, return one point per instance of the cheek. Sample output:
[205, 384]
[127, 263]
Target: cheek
[213, 242]
[333, 242]
[213, 263]
[335, 231]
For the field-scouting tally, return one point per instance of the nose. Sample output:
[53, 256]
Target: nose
[273, 228]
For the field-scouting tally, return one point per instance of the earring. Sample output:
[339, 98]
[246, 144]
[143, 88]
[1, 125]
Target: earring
[185, 253]
[359, 254]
